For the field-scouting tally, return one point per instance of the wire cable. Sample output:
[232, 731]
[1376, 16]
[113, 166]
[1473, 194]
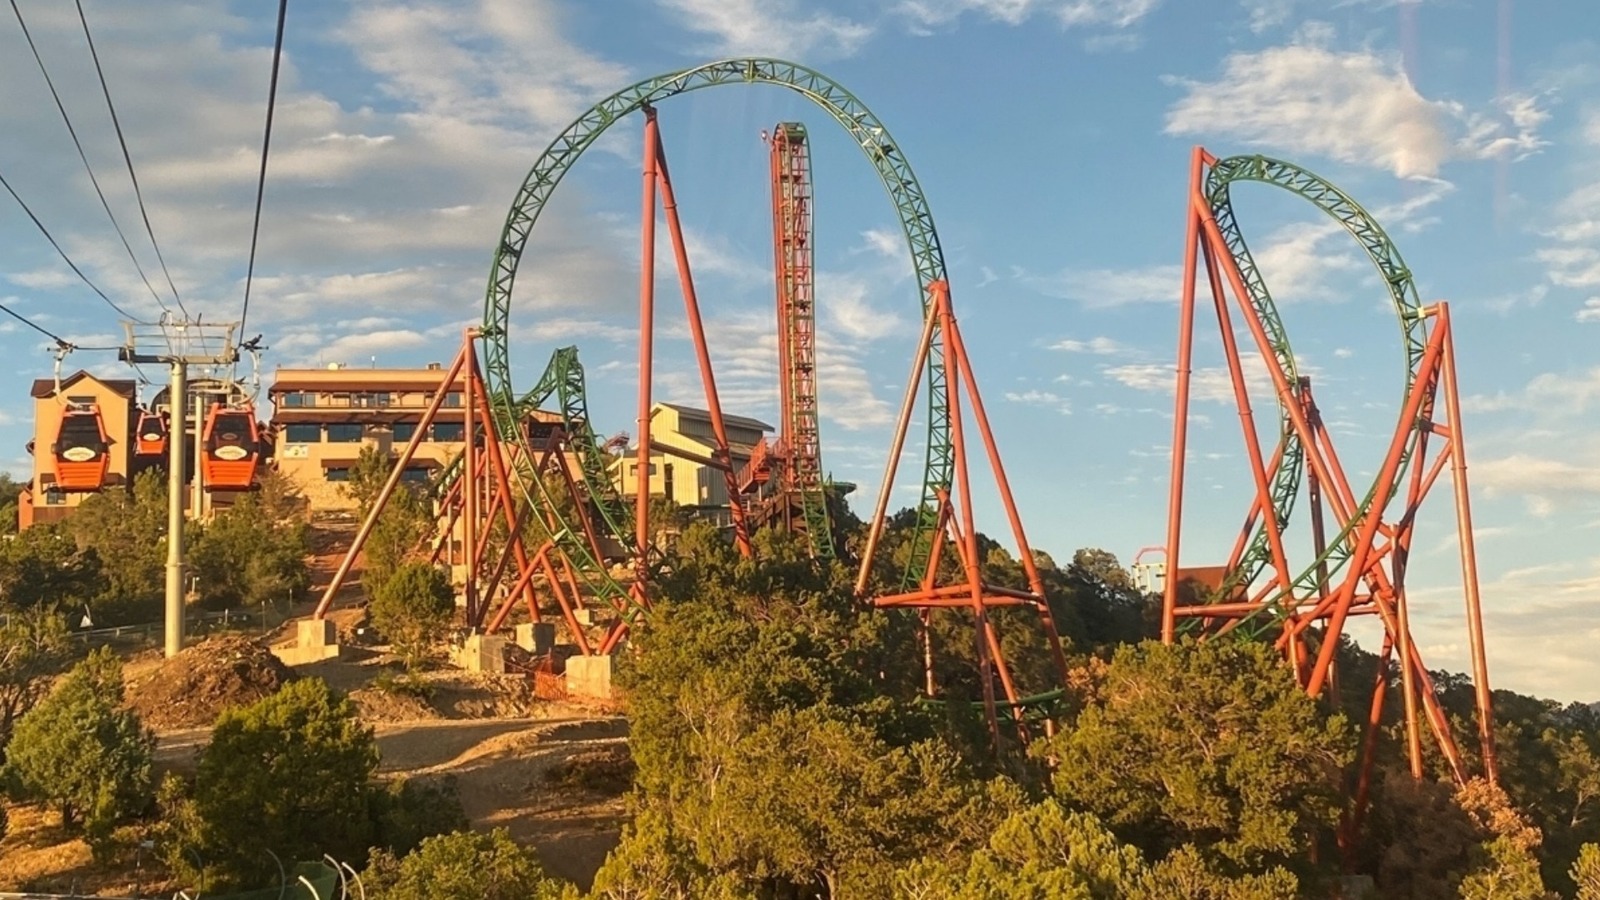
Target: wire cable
[127, 158]
[266, 144]
[51, 238]
[39, 328]
[43, 70]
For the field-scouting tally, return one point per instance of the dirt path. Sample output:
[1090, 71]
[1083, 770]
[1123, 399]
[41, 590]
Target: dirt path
[502, 768]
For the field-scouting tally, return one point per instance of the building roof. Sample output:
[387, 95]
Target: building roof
[46, 387]
[739, 421]
[345, 379]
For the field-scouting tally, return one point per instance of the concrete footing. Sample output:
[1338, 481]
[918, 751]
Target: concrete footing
[484, 653]
[538, 638]
[589, 676]
[315, 641]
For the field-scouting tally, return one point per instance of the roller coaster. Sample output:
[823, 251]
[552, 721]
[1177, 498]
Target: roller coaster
[1360, 545]
[578, 523]
[549, 486]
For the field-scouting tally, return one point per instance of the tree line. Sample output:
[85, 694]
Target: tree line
[783, 747]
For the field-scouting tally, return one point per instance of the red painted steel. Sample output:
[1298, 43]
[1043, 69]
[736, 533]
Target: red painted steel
[1376, 536]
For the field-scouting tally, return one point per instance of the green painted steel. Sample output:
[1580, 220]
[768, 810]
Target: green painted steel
[563, 381]
[864, 128]
[1402, 294]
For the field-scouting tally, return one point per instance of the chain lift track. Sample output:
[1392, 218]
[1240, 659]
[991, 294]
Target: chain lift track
[786, 481]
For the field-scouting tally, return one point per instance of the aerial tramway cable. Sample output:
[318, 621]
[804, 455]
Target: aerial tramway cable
[73, 131]
[128, 158]
[51, 238]
[266, 144]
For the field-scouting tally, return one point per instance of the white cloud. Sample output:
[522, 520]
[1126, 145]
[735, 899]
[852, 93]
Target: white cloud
[1068, 13]
[770, 28]
[1267, 14]
[850, 310]
[1545, 483]
[1207, 384]
[1590, 311]
[883, 242]
[1353, 107]
[313, 347]
[1044, 399]
[1098, 346]
[1550, 394]
[1098, 288]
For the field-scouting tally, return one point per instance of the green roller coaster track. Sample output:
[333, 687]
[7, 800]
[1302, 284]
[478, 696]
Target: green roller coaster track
[880, 149]
[1402, 293]
[563, 380]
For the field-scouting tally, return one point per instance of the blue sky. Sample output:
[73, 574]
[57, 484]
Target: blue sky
[1052, 138]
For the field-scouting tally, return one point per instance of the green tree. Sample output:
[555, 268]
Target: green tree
[406, 811]
[1046, 852]
[33, 650]
[254, 552]
[80, 751]
[1506, 865]
[1586, 873]
[1211, 744]
[43, 569]
[10, 491]
[127, 530]
[1041, 853]
[814, 800]
[289, 774]
[410, 609]
[406, 520]
[463, 865]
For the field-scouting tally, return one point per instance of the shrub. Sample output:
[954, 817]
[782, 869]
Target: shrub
[80, 751]
[412, 606]
[463, 865]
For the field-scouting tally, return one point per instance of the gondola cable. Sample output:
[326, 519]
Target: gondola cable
[73, 131]
[128, 158]
[67, 259]
[266, 144]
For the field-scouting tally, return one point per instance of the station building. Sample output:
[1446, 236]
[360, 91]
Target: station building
[681, 468]
[321, 419]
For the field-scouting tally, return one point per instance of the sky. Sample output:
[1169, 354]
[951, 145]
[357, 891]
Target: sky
[1052, 139]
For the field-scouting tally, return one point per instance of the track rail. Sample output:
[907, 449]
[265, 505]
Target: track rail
[1360, 224]
[876, 144]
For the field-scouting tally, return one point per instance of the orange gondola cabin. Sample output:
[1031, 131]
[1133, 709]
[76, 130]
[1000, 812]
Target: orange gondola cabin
[232, 448]
[150, 435]
[82, 451]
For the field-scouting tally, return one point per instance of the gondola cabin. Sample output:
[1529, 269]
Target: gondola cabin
[232, 448]
[150, 435]
[81, 449]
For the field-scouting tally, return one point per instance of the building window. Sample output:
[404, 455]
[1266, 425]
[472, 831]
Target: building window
[453, 399]
[344, 433]
[448, 432]
[404, 430]
[54, 497]
[370, 399]
[301, 433]
[340, 474]
[416, 475]
[299, 399]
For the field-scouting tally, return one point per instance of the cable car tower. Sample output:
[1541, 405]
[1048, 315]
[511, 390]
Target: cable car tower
[179, 344]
